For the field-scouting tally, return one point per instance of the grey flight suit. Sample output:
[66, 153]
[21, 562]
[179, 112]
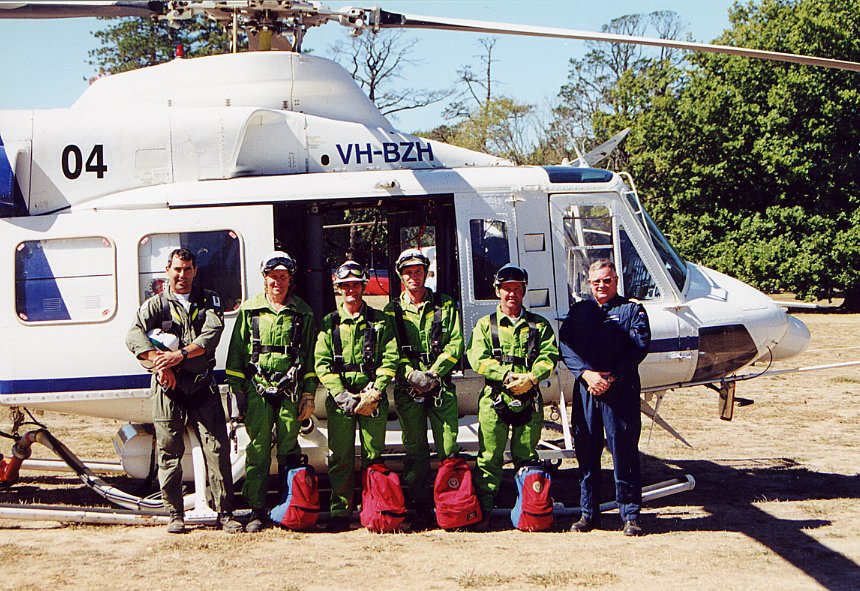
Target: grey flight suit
[195, 402]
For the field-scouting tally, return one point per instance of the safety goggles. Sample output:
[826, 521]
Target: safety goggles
[415, 258]
[512, 274]
[347, 272]
[604, 281]
[286, 263]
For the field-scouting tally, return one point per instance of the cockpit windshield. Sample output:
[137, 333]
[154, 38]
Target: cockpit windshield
[672, 261]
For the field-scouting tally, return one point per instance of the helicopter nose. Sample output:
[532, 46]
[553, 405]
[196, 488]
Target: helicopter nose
[794, 342]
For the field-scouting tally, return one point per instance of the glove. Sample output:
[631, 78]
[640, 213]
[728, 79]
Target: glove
[369, 401]
[347, 401]
[423, 381]
[519, 383]
[238, 404]
[307, 405]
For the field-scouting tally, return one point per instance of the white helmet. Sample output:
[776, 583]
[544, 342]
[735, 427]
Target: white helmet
[351, 271]
[161, 340]
[278, 259]
[411, 256]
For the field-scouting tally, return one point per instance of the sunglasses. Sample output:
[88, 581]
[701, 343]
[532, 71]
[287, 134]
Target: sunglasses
[604, 281]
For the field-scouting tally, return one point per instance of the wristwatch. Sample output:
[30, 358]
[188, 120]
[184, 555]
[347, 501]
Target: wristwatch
[184, 354]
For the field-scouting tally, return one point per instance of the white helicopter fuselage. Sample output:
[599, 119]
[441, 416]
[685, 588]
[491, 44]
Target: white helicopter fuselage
[231, 154]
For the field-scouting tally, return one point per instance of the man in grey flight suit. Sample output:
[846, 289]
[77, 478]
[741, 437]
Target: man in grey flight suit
[175, 333]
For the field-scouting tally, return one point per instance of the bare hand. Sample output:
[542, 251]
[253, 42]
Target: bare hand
[167, 359]
[598, 381]
[166, 378]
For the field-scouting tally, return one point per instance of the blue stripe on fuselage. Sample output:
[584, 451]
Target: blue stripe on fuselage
[7, 179]
[87, 384]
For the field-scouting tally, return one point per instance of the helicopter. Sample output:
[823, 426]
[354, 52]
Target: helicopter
[231, 155]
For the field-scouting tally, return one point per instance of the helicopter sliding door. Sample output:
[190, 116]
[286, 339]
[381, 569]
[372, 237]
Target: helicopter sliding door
[488, 237]
[590, 227]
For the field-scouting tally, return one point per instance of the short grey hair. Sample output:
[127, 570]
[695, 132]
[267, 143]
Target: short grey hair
[602, 264]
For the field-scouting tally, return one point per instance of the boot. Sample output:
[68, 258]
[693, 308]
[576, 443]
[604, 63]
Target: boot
[585, 524]
[228, 523]
[259, 520]
[176, 524]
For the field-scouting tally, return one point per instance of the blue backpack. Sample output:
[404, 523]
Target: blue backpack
[533, 509]
[300, 506]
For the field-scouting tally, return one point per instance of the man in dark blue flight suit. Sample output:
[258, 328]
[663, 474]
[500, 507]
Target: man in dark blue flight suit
[603, 341]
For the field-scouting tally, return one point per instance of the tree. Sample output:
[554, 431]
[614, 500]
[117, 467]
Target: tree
[756, 164]
[614, 84]
[132, 43]
[375, 61]
[481, 121]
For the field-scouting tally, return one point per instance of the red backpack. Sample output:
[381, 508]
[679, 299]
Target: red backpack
[383, 507]
[454, 494]
[300, 505]
[533, 509]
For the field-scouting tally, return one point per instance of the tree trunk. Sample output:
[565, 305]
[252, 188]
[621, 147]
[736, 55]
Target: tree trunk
[852, 299]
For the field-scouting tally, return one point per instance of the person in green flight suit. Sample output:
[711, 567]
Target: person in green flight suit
[270, 371]
[514, 350]
[184, 391]
[356, 359]
[430, 339]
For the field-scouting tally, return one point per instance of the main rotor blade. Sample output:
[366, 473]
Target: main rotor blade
[409, 21]
[84, 8]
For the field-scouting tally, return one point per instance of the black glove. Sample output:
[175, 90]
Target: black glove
[423, 381]
[347, 401]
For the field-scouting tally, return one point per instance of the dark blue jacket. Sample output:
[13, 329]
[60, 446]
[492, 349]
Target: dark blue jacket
[613, 337]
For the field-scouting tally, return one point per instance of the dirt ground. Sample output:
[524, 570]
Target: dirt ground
[775, 507]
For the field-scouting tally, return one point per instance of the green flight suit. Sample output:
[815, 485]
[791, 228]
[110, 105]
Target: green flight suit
[262, 415]
[493, 431]
[195, 402]
[342, 425]
[441, 410]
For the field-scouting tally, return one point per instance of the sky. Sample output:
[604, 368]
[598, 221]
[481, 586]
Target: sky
[43, 63]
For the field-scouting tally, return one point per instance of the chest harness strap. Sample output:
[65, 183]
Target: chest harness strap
[197, 321]
[368, 347]
[435, 334]
[527, 400]
[281, 383]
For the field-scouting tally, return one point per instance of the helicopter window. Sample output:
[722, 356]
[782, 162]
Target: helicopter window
[588, 232]
[675, 265]
[69, 279]
[638, 282]
[218, 263]
[489, 252]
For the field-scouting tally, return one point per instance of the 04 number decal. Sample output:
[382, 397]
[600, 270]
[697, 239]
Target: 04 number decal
[73, 162]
